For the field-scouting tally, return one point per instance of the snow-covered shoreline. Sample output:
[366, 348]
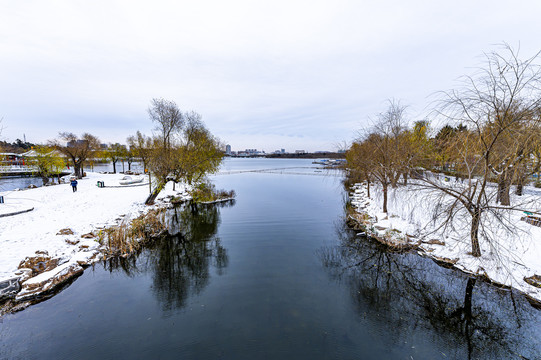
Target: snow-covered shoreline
[59, 222]
[409, 223]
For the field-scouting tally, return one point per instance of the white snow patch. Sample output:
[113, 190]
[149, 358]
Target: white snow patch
[57, 207]
[507, 260]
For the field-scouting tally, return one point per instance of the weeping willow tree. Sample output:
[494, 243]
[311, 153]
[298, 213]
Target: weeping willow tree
[198, 153]
[76, 149]
[48, 163]
[183, 149]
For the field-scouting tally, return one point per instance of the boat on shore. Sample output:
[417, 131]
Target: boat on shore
[129, 180]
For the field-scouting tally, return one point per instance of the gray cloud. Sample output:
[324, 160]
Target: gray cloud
[294, 74]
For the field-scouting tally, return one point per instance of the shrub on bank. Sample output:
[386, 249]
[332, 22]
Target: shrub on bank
[129, 237]
[206, 192]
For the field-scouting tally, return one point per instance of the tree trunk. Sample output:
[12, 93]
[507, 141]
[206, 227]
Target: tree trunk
[394, 181]
[500, 192]
[520, 186]
[77, 170]
[504, 187]
[114, 167]
[45, 180]
[368, 187]
[474, 233]
[154, 194]
[405, 175]
[505, 198]
[385, 198]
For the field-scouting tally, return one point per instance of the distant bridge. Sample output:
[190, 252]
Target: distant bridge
[24, 170]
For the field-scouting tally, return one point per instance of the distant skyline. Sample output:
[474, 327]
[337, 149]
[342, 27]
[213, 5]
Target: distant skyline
[268, 75]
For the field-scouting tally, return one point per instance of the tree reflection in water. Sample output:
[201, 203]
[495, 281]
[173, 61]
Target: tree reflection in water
[408, 292]
[181, 264]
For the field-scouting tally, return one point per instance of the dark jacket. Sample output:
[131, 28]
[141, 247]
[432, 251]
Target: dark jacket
[73, 183]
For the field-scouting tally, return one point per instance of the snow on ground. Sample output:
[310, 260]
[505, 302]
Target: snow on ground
[507, 259]
[56, 207]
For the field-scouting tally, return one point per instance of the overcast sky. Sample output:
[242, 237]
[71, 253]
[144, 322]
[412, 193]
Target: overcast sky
[263, 74]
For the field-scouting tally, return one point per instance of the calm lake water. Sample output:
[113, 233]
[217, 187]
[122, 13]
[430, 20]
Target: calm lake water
[10, 183]
[273, 276]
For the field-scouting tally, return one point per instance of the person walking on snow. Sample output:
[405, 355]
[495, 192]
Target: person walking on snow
[74, 184]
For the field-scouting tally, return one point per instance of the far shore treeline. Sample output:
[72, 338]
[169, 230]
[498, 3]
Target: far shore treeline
[318, 155]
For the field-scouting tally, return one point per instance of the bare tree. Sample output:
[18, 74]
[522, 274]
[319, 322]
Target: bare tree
[78, 150]
[168, 118]
[497, 113]
[114, 153]
[129, 156]
[384, 144]
[469, 194]
[141, 146]
[498, 103]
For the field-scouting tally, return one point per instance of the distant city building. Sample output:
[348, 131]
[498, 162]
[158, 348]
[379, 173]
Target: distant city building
[247, 153]
[76, 142]
[300, 152]
[228, 149]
